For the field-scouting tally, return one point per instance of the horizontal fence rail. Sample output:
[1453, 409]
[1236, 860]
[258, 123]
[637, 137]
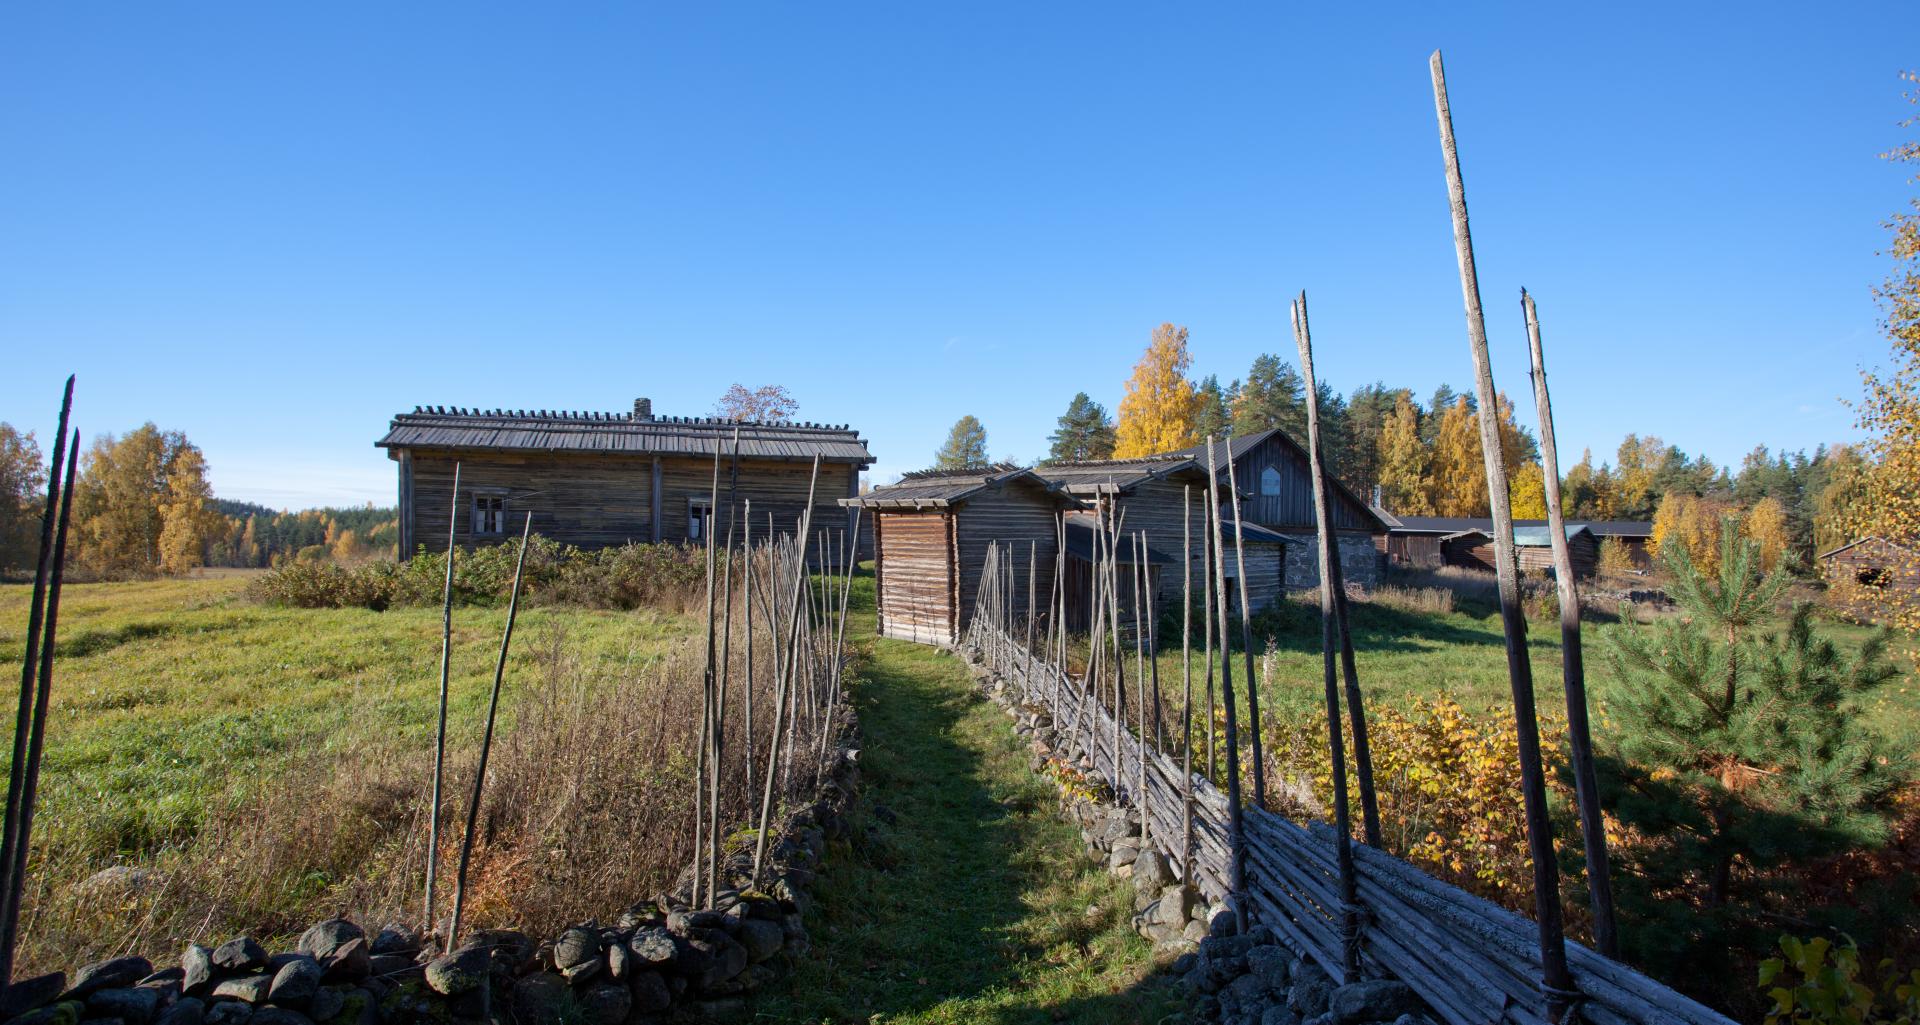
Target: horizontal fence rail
[1471, 960]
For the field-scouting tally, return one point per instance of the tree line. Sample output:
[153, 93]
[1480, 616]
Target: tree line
[143, 507]
[1423, 457]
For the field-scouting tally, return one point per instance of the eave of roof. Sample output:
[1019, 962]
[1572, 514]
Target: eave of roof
[620, 434]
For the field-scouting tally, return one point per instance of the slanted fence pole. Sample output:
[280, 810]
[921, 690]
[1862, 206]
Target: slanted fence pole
[1246, 640]
[1236, 835]
[1208, 510]
[29, 665]
[440, 735]
[16, 874]
[1186, 683]
[1329, 649]
[1331, 565]
[1556, 982]
[1593, 831]
[486, 740]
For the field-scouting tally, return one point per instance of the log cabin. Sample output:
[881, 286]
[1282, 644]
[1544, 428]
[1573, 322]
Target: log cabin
[931, 532]
[1158, 496]
[1414, 541]
[601, 479]
[1533, 548]
[1870, 564]
[1275, 480]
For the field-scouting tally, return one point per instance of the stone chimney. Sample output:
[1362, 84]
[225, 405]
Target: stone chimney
[643, 409]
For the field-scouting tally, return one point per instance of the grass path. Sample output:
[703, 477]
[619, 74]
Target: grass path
[977, 904]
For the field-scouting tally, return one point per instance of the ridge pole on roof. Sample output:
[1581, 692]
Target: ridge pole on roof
[1573, 676]
[1556, 982]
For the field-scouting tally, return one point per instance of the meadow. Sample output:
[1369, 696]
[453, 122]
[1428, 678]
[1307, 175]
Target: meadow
[252, 766]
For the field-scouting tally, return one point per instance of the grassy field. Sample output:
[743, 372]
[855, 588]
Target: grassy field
[1461, 655]
[179, 704]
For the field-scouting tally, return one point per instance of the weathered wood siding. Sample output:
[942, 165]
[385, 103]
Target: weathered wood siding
[597, 501]
[1019, 513]
[1285, 501]
[1419, 551]
[914, 575]
[592, 501]
[1477, 552]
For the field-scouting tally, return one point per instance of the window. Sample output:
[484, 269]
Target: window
[699, 515]
[1874, 576]
[489, 513]
[1270, 482]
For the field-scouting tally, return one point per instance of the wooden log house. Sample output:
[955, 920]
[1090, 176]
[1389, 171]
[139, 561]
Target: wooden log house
[1533, 546]
[1150, 494]
[1414, 541]
[931, 532]
[602, 479]
[1276, 486]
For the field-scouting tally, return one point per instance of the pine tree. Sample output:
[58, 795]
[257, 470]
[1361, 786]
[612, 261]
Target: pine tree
[1084, 431]
[966, 446]
[1405, 484]
[1214, 418]
[1367, 413]
[1274, 395]
[1833, 505]
[1737, 750]
[1157, 413]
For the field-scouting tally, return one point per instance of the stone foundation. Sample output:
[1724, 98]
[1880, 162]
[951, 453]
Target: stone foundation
[1359, 561]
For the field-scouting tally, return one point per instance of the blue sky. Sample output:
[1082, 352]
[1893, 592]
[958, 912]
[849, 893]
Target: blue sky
[273, 225]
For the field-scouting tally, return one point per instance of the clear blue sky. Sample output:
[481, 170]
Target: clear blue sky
[274, 225]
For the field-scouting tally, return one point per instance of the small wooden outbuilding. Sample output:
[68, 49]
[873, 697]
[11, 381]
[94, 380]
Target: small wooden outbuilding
[1414, 542]
[1872, 563]
[931, 534]
[1533, 546]
[1160, 496]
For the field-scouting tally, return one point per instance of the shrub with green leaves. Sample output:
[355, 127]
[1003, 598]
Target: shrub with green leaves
[1815, 982]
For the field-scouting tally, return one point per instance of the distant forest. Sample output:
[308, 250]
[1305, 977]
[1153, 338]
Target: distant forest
[259, 536]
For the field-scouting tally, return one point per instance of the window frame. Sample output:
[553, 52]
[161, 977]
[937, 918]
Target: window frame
[1279, 482]
[698, 524]
[488, 512]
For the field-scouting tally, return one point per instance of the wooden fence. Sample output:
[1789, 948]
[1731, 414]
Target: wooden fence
[1472, 961]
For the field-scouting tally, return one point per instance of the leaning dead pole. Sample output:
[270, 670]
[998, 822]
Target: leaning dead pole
[1555, 981]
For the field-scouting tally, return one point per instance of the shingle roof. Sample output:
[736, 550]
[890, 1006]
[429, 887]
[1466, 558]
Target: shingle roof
[1105, 476]
[1458, 524]
[520, 430]
[937, 488]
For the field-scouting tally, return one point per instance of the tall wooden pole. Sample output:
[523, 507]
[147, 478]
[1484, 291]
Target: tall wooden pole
[1593, 829]
[1556, 982]
[1246, 640]
[1236, 835]
[1186, 683]
[1329, 652]
[29, 665]
[37, 729]
[440, 735]
[486, 740]
[1334, 578]
[1208, 511]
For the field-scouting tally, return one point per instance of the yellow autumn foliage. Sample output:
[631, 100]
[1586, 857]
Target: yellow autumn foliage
[1157, 413]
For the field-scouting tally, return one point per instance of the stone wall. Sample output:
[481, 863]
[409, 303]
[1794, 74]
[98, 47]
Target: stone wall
[1359, 561]
[660, 960]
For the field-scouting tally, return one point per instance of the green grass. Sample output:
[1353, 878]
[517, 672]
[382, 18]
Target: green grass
[179, 704]
[978, 904]
[1461, 655]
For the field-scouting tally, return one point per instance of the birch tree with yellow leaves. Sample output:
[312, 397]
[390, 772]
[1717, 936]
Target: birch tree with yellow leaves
[1889, 409]
[1157, 413]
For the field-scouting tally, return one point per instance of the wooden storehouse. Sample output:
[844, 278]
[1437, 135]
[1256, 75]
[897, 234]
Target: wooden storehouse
[1275, 479]
[601, 479]
[1533, 547]
[931, 533]
[1414, 542]
[1871, 563]
[1156, 496]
